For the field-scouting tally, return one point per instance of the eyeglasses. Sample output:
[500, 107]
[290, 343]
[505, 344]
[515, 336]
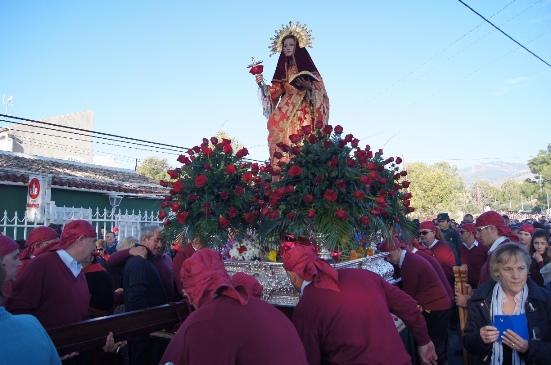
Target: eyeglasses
[478, 229]
[100, 249]
[424, 232]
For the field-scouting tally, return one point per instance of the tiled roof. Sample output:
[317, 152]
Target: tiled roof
[16, 167]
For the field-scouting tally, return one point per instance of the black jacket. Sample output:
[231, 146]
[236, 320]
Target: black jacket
[538, 314]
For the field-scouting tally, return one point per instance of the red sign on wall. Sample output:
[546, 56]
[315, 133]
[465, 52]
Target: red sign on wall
[34, 188]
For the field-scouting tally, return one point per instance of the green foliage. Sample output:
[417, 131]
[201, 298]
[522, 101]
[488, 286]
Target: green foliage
[154, 168]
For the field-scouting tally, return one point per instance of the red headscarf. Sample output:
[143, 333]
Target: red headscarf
[36, 236]
[302, 59]
[306, 263]
[386, 246]
[249, 282]
[430, 226]
[71, 232]
[470, 227]
[494, 219]
[7, 245]
[527, 228]
[203, 275]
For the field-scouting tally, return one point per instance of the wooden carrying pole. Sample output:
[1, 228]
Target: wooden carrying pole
[460, 273]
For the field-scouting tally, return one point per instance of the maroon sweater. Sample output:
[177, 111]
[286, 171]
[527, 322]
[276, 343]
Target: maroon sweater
[421, 282]
[474, 259]
[444, 255]
[485, 269]
[256, 333]
[439, 271]
[48, 290]
[182, 255]
[354, 326]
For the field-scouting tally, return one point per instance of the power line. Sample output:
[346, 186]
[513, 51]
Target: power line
[507, 35]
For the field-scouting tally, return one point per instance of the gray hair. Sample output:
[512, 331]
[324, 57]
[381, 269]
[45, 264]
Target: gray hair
[148, 230]
[127, 242]
[503, 254]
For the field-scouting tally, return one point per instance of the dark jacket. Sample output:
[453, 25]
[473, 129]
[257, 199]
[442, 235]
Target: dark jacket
[538, 314]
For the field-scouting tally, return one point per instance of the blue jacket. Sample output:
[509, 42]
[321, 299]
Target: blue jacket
[538, 314]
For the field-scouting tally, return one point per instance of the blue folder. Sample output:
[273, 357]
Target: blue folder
[516, 322]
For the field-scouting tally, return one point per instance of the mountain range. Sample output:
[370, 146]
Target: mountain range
[495, 172]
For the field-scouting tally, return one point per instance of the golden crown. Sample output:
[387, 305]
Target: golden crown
[303, 35]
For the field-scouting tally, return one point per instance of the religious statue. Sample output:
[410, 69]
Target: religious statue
[297, 95]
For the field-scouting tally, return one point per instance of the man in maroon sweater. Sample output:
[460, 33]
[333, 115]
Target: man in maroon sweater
[421, 282]
[343, 317]
[237, 328]
[431, 238]
[472, 254]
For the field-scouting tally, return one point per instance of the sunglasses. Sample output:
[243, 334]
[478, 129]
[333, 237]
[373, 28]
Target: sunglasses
[424, 232]
[478, 229]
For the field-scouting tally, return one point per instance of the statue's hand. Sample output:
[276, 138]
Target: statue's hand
[304, 83]
[259, 78]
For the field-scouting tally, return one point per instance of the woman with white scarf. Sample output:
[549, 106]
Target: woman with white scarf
[510, 292]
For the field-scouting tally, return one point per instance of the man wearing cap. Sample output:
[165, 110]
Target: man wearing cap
[37, 239]
[431, 237]
[52, 286]
[451, 237]
[492, 232]
[472, 254]
[238, 328]
[420, 281]
[343, 316]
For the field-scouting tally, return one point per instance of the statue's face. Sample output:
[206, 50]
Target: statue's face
[289, 47]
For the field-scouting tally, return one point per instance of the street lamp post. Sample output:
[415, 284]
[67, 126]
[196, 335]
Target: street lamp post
[115, 201]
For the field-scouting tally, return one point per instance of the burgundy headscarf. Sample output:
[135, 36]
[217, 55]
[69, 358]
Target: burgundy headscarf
[527, 228]
[306, 263]
[386, 246]
[494, 219]
[249, 282]
[7, 245]
[430, 226]
[469, 227]
[36, 236]
[203, 275]
[302, 59]
[71, 232]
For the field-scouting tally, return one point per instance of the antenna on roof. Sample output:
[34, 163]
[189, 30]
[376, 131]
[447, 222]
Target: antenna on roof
[7, 101]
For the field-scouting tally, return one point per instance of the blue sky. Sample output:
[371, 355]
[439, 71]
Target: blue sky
[425, 80]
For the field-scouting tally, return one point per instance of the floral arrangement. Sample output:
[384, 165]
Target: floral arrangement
[325, 184]
[211, 194]
[245, 250]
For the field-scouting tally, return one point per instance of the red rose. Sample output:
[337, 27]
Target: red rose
[200, 181]
[312, 139]
[327, 129]
[165, 204]
[407, 196]
[396, 177]
[359, 195]
[230, 169]
[311, 214]
[255, 70]
[338, 129]
[175, 207]
[380, 199]
[341, 214]
[364, 220]
[207, 167]
[407, 203]
[295, 170]
[228, 148]
[398, 160]
[168, 197]
[173, 174]
[247, 176]
[373, 175]
[294, 138]
[295, 150]
[255, 168]
[333, 163]
[223, 223]
[196, 149]
[238, 190]
[163, 183]
[405, 184]
[307, 129]
[278, 193]
[341, 184]
[288, 189]
[291, 216]
[207, 151]
[350, 162]
[403, 173]
[249, 218]
[330, 195]
[274, 214]
[365, 179]
[355, 142]
[242, 152]
[318, 179]
[205, 142]
[261, 203]
[192, 198]
[224, 195]
[178, 186]
[181, 159]
[326, 144]
[166, 223]
[214, 140]
[232, 212]
[341, 143]
[162, 214]
[375, 211]
[182, 216]
[319, 124]
[348, 138]
[308, 199]
[278, 155]
[190, 152]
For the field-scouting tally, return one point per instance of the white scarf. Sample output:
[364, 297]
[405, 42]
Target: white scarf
[497, 309]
